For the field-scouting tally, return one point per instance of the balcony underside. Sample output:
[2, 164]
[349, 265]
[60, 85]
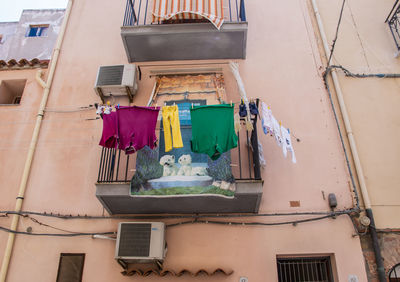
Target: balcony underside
[194, 41]
[116, 199]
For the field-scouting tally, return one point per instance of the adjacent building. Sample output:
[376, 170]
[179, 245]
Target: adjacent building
[33, 37]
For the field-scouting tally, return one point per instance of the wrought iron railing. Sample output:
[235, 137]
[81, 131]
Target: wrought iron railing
[138, 12]
[116, 166]
[393, 20]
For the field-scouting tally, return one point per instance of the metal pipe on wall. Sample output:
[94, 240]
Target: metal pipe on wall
[32, 146]
[353, 148]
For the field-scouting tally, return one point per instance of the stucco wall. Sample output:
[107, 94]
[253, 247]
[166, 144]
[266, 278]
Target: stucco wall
[7, 30]
[365, 45]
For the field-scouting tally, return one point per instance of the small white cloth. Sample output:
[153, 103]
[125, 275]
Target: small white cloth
[263, 162]
[266, 118]
[287, 144]
[276, 130]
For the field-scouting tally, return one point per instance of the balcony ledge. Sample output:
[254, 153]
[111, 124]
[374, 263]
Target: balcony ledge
[193, 41]
[116, 199]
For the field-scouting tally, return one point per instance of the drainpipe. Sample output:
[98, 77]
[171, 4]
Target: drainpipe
[32, 146]
[353, 148]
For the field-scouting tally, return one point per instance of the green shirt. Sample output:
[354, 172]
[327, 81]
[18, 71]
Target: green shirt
[213, 131]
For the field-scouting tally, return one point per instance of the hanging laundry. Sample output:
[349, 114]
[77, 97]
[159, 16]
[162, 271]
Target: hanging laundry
[170, 115]
[253, 108]
[213, 130]
[235, 71]
[104, 110]
[263, 162]
[236, 119]
[266, 118]
[276, 130]
[136, 127]
[109, 137]
[287, 143]
[130, 128]
[242, 109]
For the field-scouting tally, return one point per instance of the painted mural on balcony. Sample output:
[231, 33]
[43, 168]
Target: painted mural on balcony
[179, 171]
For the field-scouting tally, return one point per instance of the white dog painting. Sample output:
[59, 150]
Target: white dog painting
[186, 165]
[199, 171]
[168, 162]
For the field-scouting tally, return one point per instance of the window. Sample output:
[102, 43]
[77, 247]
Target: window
[37, 30]
[70, 268]
[394, 273]
[11, 91]
[185, 90]
[316, 269]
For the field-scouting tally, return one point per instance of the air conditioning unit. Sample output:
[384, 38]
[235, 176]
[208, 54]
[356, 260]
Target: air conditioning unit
[118, 80]
[140, 242]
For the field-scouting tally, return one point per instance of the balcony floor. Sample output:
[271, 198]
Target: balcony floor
[116, 199]
[193, 41]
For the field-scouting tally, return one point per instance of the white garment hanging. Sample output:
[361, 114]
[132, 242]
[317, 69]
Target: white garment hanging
[287, 144]
[263, 162]
[266, 118]
[276, 130]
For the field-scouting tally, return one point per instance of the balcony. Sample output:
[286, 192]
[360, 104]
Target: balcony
[146, 40]
[113, 187]
[393, 20]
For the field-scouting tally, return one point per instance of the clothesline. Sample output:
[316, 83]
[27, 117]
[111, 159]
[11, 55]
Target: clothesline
[132, 128]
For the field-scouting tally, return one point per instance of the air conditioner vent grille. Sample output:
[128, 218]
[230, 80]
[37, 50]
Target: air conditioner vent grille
[110, 75]
[135, 240]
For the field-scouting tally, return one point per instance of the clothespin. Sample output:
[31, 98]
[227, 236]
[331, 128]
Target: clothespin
[280, 123]
[231, 103]
[108, 103]
[192, 105]
[118, 106]
[155, 107]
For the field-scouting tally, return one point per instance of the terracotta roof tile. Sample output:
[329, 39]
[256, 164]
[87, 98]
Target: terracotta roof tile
[23, 64]
[148, 269]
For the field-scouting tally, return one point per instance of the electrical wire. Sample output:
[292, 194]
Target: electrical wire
[56, 234]
[293, 222]
[337, 32]
[46, 225]
[325, 77]
[361, 75]
[196, 221]
[195, 216]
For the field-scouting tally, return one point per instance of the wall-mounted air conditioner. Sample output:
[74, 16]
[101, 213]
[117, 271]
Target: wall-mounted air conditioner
[140, 242]
[118, 80]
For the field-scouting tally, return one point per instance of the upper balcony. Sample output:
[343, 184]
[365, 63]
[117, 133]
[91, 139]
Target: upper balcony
[186, 36]
[393, 20]
[116, 178]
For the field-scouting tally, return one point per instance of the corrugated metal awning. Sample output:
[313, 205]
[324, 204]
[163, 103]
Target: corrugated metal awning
[212, 10]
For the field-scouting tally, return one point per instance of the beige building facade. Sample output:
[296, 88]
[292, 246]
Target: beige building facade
[367, 45]
[281, 214]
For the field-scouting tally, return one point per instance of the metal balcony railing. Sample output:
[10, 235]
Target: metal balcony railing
[116, 166]
[138, 12]
[393, 20]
